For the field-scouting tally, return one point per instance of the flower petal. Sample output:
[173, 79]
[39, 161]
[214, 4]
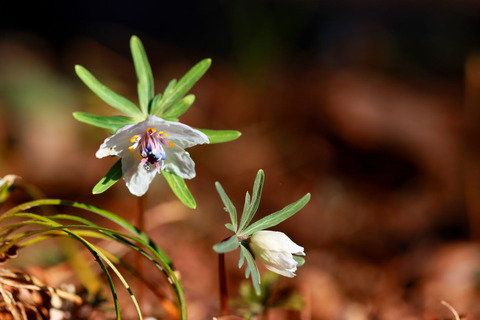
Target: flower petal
[274, 249]
[180, 163]
[136, 177]
[120, 141]
[184, 136]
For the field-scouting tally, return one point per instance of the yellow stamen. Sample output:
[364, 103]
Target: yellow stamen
[131, 149]
[134, 138]
[171, 144]
[151, 131]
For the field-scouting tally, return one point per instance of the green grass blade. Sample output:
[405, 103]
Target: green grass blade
[229, 207]
[155, 254]
[145, 86]
[111, 98]
[112, 123]
[277, 217]
[180, 189]
[112, 177]
[220, 136]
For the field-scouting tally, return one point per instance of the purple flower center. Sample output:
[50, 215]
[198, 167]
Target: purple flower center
[150, 146]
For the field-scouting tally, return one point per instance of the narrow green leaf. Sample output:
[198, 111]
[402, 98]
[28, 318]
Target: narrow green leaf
[180, 189]
[232, 211]
[111, 98]
[145, 86]
[154, 102]
[252, 270]
[220, 136]
[228, 245]
[170, 86]
[251, 207]
[163, 263]
[241, 259]
[112, 176]
[157, 105]
[230, 227]
[112, 123]
[185, 83]
[277, 217]
[180, 107]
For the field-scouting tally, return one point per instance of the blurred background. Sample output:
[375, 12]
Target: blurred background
[371, 106]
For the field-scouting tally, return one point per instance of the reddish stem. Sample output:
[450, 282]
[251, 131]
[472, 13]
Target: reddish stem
[222, 277]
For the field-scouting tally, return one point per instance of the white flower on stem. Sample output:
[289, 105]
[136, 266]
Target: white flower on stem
[148, 147]
[275, 250]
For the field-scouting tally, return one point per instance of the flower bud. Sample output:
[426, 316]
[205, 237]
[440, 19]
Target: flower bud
[275, 250]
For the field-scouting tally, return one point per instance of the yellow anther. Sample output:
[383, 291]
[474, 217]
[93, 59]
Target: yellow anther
[131, 149]
[134, 138]
[165, 135]
[171, 144]
[151, 130]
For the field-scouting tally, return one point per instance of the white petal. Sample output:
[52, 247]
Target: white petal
[136, 177]
[284, 272]
[120, 141]
[276, 241]
[274, 250]
[180, 163]
[184, 136]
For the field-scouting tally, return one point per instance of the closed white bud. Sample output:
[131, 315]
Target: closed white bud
[275, 250]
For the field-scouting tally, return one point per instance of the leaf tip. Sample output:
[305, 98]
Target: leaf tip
[78, 68]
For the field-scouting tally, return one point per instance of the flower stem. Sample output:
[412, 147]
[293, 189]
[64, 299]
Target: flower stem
[140, 223]
[222, 277]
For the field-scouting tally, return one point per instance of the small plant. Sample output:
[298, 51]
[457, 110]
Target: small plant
[149, 141]
[274, 249]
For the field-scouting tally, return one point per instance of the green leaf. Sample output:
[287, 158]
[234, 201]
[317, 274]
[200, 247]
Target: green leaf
[250, 207]
[158, 107]
[111, 98]
[112, 123]
[182, 86]
[276, 217]
[220, 136]
[251, 269]
[180, 107]
[230, 227]
[180, 189]
[143, 70]
[170, 86]
[154, 102]
[229, 207]
[300, 260]
[228, 245]
[112, 176]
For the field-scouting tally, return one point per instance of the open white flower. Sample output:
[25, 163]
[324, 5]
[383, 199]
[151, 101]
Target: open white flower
[150, 146]
[275, 250]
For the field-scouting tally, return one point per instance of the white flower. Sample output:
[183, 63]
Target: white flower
[150, 146]
[275, 250]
